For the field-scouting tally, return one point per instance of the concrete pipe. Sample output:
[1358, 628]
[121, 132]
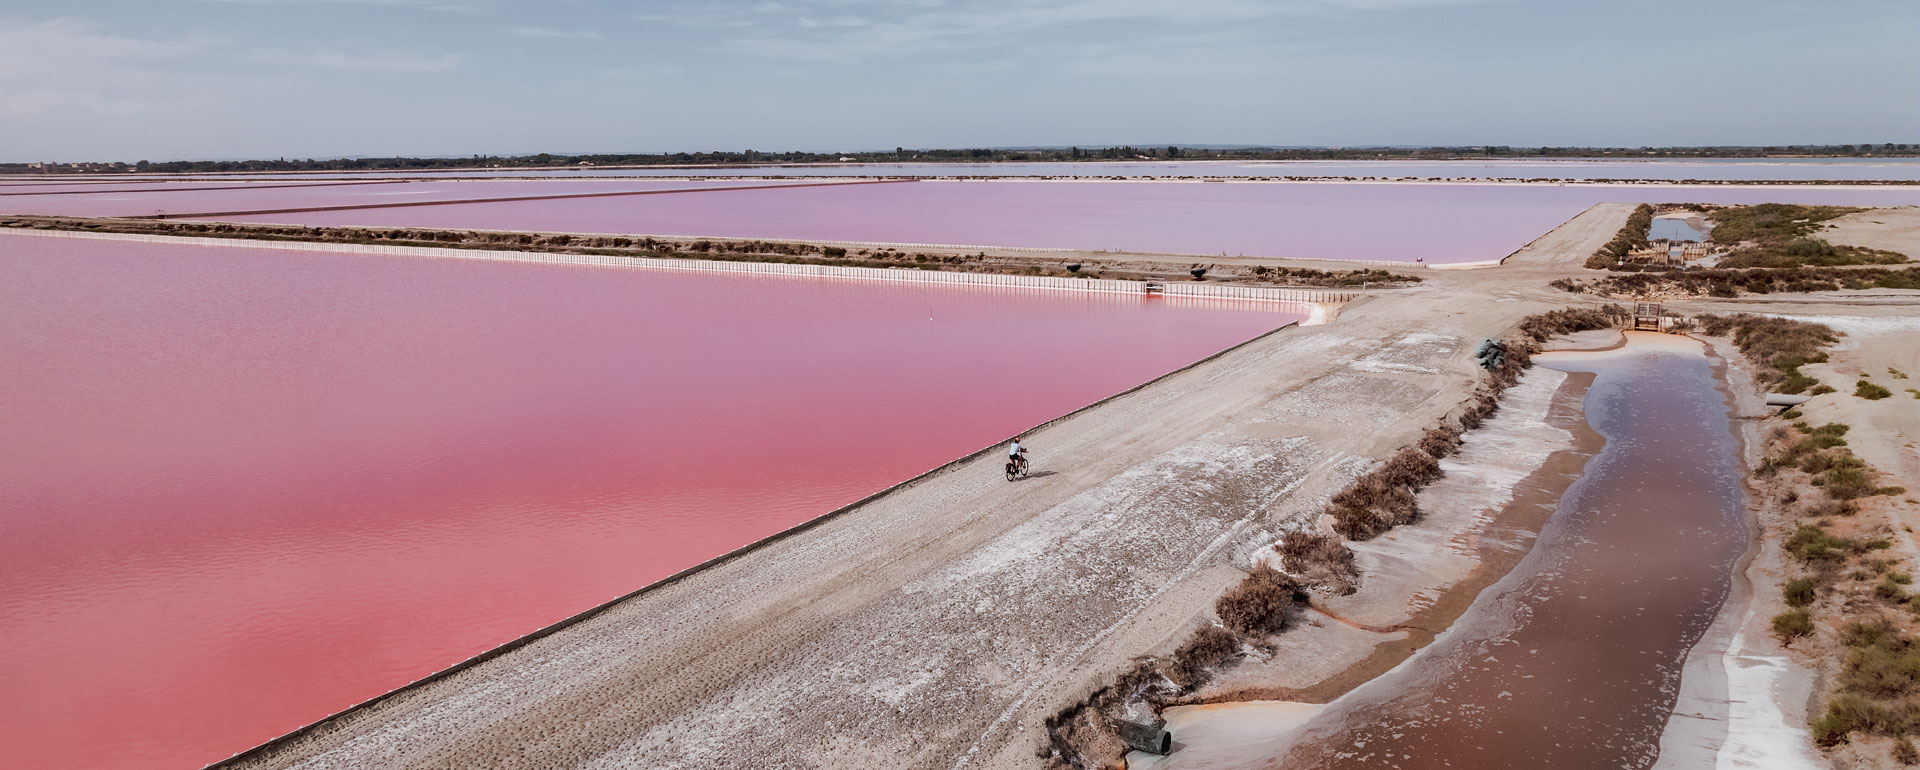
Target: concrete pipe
[1783, 399]
[1142, 737]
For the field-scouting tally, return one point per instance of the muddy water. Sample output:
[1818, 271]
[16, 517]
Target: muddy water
[1574, 659]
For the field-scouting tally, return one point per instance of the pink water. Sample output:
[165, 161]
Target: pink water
[1437, 223]
[242, 489]
[175, 201]
[14, 189]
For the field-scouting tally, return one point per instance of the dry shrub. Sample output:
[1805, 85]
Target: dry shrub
[1477, 411]
[1827, 508]
[1371, 506]
[1410, 468]
[1259, 604]
[1208, 647]
[1320, 560]
[1441, 441]
[1778, 345]
[1081, 737]
[1545, 326]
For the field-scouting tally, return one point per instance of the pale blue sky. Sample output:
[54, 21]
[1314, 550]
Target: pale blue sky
[99, 80]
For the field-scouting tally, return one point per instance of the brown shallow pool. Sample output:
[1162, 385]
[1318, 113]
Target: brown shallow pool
[1574, 659]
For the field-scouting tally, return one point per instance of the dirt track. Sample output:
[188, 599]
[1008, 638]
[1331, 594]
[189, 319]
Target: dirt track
[938, 626]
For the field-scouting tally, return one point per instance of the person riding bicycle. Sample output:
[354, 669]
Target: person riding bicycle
[1017, 455]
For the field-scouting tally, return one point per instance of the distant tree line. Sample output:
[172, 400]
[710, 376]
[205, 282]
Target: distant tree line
[968, 155]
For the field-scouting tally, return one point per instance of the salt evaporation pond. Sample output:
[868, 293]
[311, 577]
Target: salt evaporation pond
[1403, 222]
[244, 488]
[14, 190]
[191, 198]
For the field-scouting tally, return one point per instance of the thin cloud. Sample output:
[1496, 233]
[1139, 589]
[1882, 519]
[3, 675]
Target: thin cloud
[822, 31]
[426, 5]
[556, 34]
[398, 62]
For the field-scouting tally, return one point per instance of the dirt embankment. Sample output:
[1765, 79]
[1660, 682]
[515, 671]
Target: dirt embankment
[1253, 271]
[938, 626]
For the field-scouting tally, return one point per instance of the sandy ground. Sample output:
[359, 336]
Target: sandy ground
[936, 627]
[1745, 699]
[1894, 229]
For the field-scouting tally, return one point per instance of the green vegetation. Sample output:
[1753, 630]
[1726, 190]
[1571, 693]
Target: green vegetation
[1717, 282]
[1812, 545]
[1779, 346]
[1820, 390]
[1771, 221]
[1765, 237]
[1877, 687]
[1848, 482]
[1842, 475]
[1870, 391]
[1793, 624]
[1808, 252]
[1798, 592]
[1632, 236]
[1826, 436]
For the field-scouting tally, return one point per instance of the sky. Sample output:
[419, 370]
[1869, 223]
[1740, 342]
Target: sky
[229, 79]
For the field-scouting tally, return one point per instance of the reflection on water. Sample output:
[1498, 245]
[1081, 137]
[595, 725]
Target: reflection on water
[1675, 229]
[1574, 660]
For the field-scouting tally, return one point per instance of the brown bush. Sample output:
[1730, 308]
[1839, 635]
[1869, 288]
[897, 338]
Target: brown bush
[1545, 326]
[1779, 345]
[1371, 506]
[1441, 441]
[1208, 647]
[1410, 468]
[1259, 604]
[1477, 411]
[1320, 560]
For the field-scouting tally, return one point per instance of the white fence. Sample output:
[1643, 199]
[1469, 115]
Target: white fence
[1172, 289]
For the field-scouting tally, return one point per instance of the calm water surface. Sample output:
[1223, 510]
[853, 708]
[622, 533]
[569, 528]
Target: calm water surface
[1574, 660]
[1674, 229]
[1404, 222]
[185, 198]
[242, 489]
